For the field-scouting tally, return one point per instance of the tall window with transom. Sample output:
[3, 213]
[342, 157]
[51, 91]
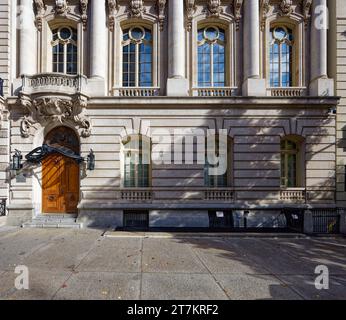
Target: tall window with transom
[211, 57]
[137, 57]
[281, 57]
[65, 53]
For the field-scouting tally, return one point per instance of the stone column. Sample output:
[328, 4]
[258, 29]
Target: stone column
[177, 84]
[98, 47]
[28, 39]
[253, 85]
[320, 85]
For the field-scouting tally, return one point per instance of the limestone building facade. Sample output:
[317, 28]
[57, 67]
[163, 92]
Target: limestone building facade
[113, 106]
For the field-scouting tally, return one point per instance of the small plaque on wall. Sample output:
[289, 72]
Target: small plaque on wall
[21, 178]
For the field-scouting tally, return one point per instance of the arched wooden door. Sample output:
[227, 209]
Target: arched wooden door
[60, 174]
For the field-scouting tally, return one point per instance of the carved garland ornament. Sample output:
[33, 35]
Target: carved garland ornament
[237, 5]
[162, 16]
[40, 10]
[190, 8]
[84, 13]
[307, 4]
[112, 8]
[54, 109]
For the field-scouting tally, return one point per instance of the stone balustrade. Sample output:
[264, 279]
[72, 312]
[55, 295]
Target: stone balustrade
[289, 92]
[214, 92]
[293, 195]
[136, 91]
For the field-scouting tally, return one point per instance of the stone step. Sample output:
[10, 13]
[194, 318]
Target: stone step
[53, 221]
[51, 225]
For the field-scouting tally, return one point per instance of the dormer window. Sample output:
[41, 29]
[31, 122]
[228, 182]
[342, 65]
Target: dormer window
[64, 50]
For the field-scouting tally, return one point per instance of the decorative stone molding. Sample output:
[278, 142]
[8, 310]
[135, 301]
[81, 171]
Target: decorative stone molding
[214, 8]
[237, 6]
[306, 9]
[84, 13]
[55, 110]
[264, 13]
[286, 7]
[136, 8]
[40, 9]
[61, 7]
[190, 10]
[162, 12]
[112, 8]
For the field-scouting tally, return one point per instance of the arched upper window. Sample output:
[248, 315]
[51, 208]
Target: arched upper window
[64, 50]
[218, 175]
[137, 57]
[291, 163]
[281, 57]
[137, 159]
[211, 57]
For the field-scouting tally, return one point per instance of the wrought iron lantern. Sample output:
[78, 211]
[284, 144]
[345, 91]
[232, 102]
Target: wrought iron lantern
[91, 160]
[16, 163]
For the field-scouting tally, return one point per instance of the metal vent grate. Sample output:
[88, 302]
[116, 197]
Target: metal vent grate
[136, 219]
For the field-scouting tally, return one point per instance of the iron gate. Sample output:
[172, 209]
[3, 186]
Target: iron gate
[326, 221]
[136, 219]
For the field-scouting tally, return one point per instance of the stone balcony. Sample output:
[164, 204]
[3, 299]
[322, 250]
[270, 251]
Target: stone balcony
[53, 84]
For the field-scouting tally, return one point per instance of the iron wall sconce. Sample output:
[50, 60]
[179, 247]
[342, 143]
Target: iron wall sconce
[16, 162]
[91, 160]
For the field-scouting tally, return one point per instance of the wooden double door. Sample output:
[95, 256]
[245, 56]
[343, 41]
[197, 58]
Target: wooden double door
[60, 184]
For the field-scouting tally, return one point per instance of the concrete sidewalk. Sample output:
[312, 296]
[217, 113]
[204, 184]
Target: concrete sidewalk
[85, 264]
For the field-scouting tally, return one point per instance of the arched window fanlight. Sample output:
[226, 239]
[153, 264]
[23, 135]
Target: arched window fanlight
[211, 57]
[65, 53]
[281, 57]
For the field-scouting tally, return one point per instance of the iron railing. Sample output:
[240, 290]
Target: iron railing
[3, 207]
[326, 221]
